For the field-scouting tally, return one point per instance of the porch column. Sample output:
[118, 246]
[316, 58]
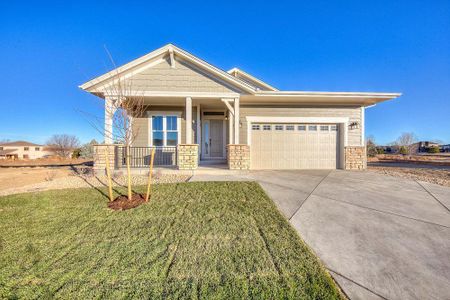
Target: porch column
[236, 120]
[110, 109]
[188, 120]
[230, 128]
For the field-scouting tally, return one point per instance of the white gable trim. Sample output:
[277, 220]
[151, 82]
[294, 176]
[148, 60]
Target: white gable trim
[236, 71]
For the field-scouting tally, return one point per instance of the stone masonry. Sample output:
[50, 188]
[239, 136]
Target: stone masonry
[238, 157]
[100, 157]
[355, 158]
[187, 156]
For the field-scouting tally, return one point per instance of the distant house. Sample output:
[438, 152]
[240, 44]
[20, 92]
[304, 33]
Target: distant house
[445, 148]
[421, 147]
[23, 150]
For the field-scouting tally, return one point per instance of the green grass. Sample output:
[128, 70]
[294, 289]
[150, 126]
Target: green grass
[193, 240]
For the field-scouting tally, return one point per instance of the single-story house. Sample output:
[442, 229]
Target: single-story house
[422, 146]
[23, 150]
[197, 113]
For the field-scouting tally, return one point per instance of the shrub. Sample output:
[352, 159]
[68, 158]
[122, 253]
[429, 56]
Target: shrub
[403, 150]
[380, 151]
[433, 149]
[76, 153]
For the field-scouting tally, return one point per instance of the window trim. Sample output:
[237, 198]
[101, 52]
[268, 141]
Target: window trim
[163, 114]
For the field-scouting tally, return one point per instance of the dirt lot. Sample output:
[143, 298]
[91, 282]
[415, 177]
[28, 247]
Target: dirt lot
[52, 161]
[19, 177]
[429, 173]
[34, 179]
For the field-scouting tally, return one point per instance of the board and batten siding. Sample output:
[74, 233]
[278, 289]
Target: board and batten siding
[141, 125]
[353, 113]
[184, 77]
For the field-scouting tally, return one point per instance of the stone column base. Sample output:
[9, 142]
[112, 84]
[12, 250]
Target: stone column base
[187, 156]
[100, 157]
[238, 156]
[355, 158]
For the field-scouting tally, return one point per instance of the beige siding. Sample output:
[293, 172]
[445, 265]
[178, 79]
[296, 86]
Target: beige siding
[141, 125]
[354, 113]
[183, 78]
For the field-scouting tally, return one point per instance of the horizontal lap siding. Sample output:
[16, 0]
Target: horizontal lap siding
[142, 128]
[353, 113]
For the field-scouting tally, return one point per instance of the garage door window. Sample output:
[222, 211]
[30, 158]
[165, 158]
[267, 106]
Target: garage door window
[312, 128]
[334, 128]
[323, 128]
[266, 127]
[301, 127]
[278, 127]
[290, 127]
[255, 127]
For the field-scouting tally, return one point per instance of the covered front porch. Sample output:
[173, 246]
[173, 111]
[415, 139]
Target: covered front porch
[185, 130]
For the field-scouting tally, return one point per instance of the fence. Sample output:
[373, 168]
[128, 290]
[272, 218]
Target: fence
[140, 156]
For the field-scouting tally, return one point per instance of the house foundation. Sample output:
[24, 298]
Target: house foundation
[355, 158]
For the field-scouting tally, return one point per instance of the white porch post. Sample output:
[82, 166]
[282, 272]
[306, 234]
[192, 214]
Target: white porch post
[110, 109]
[199, 130]
[236, 120]
[188, 120]
[230, 127]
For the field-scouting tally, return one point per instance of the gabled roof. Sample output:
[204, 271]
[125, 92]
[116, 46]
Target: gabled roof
[170, 50]
[19, 144]
[251, 79]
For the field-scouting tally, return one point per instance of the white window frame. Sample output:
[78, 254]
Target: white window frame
[163, 114]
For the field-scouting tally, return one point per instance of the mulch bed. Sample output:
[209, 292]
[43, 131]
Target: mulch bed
[122, 202]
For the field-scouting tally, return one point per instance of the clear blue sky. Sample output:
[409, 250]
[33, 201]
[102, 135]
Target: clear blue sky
[48, 49]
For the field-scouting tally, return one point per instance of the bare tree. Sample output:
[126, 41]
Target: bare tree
[63, 144]
[124, 102]
[371, 146]
[406, 140]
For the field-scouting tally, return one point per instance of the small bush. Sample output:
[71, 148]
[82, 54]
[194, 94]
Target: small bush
[380, 151]
[403, 150]
[76, 153]
[433, 149]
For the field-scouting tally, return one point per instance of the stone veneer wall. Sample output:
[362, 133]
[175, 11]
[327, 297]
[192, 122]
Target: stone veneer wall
[355, 158]
[100, 157]
[238, 156]
[187, 156]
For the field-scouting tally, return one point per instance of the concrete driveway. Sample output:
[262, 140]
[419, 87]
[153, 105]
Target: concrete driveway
[380, 237]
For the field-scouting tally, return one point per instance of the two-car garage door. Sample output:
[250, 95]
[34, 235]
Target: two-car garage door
[294, 146]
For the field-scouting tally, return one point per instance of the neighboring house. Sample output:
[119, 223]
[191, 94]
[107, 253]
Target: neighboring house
[445, 148]
[423, 146]
[200, 113]
[22, 150]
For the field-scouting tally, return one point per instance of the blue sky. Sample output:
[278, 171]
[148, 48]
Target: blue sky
[48, 49]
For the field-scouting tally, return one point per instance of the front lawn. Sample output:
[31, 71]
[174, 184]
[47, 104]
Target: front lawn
[193, 240]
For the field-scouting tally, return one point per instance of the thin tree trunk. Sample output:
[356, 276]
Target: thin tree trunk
[147, 195]
[108, 174]
[130, 194]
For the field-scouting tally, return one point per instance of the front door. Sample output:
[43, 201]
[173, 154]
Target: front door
[213, 139]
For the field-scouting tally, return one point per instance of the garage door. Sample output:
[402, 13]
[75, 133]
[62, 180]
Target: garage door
[294, 146]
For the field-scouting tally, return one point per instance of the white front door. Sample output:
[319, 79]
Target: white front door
[213, 139]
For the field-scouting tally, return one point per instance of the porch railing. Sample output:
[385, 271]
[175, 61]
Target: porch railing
[140, 156]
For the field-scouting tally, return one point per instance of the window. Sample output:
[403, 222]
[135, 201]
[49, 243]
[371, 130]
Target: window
[323, 128]
[301, 127]
[255, 127]
[279, 127]
[312, 127]
[1, 148]
[290, 127]
[334, 127]
[26, 148]
[37, 149]
[25, 156]
[164, 130]
[267, 127]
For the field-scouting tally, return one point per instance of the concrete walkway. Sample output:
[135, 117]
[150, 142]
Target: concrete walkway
[380, 237]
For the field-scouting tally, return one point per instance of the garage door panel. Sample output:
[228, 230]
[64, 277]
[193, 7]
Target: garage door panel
[307, 146]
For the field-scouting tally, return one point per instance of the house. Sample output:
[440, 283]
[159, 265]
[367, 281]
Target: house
[23, 150]
[445, 148]
[423, 146]
[198, 113]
